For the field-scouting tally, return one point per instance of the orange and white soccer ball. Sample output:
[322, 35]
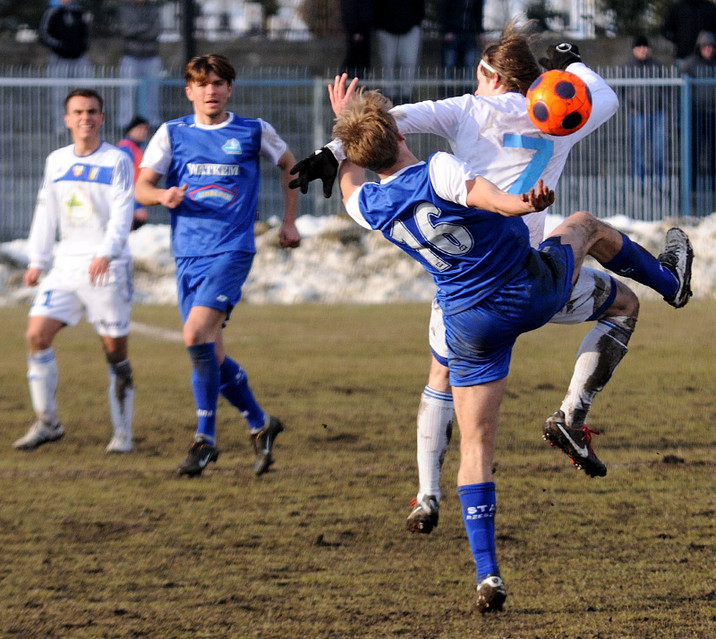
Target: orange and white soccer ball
[559, 102]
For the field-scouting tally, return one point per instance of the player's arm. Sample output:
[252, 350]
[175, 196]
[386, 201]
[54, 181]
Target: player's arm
[43, 230]
[288, 234]
[483, 194]
[351, 177]
[154, 165]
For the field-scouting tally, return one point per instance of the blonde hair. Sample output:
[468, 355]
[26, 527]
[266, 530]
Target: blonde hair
[368, 132]
[512, 58]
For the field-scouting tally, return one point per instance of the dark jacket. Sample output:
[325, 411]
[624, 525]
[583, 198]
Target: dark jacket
[683, 22]
[461, 16]
[398, 16]
[140, 26]
[64, 30]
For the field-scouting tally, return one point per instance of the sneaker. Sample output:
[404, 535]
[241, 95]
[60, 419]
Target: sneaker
[424, 516]
[491, 594]
[200, 454]
[575, 442]
[120, 443]
[677, 257]
[38, 434]
[263, 444]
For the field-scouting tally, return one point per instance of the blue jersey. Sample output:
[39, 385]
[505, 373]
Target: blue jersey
[470, 253]
[220, 166]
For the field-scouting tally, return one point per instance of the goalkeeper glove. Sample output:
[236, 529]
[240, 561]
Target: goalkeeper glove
[560, 56]
[321, 164]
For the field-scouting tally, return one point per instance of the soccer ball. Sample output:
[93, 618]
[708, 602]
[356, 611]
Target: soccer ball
[559, 102]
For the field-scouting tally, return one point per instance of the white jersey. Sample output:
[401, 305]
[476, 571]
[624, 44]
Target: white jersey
[494, 136]
[89, 201]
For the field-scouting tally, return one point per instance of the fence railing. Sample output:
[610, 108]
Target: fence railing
[640, 164]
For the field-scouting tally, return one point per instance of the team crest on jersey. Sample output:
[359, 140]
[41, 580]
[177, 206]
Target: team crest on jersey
[232, 147]
[78, 169]
[213, 194]
[93, 173]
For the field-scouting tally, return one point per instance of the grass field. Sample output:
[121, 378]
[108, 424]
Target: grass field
[119, 546]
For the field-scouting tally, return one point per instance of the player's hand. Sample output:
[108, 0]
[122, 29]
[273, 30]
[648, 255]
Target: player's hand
[99, 271]
[560, 56]
[339, 93]
[173, 196]
[288, 235]
[320, 165]
[539, 197]
[31, 276]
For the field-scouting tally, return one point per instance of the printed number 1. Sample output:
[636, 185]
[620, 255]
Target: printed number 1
[444, 237]
[543, 154]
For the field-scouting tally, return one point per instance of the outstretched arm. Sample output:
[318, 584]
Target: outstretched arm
[483, 194]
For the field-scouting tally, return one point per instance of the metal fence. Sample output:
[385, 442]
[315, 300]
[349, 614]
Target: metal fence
[657, 175]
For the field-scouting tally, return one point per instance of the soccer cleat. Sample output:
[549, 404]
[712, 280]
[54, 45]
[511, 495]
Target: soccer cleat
[120, 443]
[424, 516]
[263, 445]
[677, 257]
[575, 442]
[491, 594]
[200, 454]
[38, 434]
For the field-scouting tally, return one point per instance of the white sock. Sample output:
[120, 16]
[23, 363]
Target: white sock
[599, 354]
[42, 380]
[121, 397]
[435, 416]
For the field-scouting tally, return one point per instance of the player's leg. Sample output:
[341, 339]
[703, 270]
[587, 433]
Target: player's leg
[120, 392]
[434, 428]
[476, 409]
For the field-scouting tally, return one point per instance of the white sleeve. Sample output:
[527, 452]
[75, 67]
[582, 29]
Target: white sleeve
[272, 146]
[605, 102]
[440, 117]
[448, 176]
[43, 230]
[158, 154]
[353, 209]
[121, 209]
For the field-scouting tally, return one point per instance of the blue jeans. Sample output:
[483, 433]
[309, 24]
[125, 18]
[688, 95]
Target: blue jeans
[643, 127]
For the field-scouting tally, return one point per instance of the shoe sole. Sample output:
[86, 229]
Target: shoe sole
[38, 444]
[555, 437]
[263, 464]
[491, 601]
[421, 524]
[194, 472]
[686, 286]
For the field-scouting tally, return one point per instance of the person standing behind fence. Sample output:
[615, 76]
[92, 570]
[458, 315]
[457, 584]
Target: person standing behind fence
[646, 113]
[399, 36]
[461, 24]
[358, 23]
[683, 21]
[64, 30]
[702, 64]
[140, 26]
[135, 137]
[85, 199]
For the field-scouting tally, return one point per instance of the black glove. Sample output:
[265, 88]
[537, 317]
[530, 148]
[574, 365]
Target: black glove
[321, 164]
[560, 56]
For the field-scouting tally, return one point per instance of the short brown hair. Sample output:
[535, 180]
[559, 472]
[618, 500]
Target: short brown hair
[368, 132]
[513, 60]
[85, 93]
[201, 66]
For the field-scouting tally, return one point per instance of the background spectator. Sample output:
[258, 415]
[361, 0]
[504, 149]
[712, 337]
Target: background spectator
[358, 24]
[398, 32]
[461, 25]
[135, 137]
[646, 115]
[140, 26]
[683, 21]
[64, 30]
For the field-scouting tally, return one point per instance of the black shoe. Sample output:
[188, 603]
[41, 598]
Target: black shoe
[575, 442]
[491, 594]
[424, 516]
[677, 257]
[263, 444]
[200, 454]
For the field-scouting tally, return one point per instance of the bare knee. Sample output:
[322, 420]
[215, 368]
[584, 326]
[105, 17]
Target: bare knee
[625, 303]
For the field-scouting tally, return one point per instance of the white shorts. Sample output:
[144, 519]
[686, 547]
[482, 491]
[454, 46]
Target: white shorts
[65, 295]
[591, 295]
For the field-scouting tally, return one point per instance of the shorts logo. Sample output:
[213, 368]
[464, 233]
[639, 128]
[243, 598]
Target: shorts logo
[232, 147]
[221, 298]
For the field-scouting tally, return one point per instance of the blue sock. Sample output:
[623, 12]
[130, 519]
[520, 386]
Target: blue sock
[635, 262]
[478, 513]
[235, 389]
[205, 385]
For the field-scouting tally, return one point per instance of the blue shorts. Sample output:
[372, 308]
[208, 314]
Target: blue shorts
[480, 339]
[213, 281]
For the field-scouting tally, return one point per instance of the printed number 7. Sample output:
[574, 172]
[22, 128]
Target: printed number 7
[528, 178]
[445, 237]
